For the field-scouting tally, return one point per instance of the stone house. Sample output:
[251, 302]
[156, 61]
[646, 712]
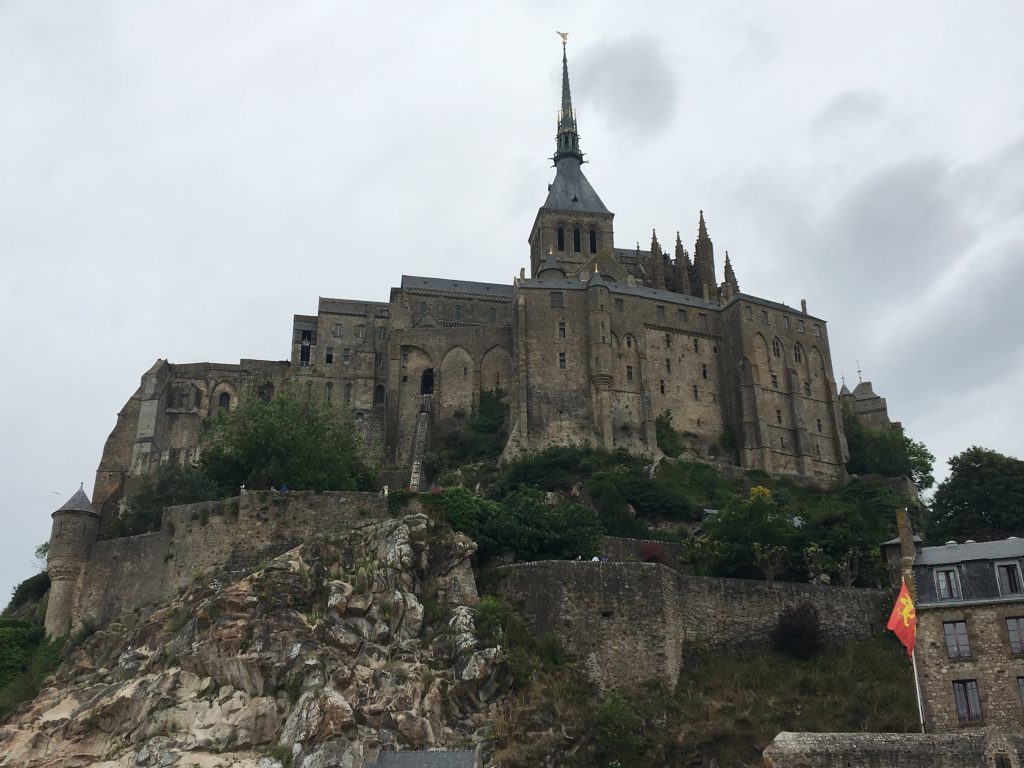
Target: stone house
[970, 632]
[590, 347]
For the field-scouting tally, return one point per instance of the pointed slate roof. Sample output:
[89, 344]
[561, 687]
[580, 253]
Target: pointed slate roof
[79, 502]
[570, 191]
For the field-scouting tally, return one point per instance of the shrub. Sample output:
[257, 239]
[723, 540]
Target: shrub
[669, 441]
[30, 590]
[651, 552]
[618, 732]
[798, 632]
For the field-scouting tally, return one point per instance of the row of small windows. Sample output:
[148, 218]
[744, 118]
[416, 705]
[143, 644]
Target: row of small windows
[1008, 577]
[577, 240]
[748, 313]
[457, 313]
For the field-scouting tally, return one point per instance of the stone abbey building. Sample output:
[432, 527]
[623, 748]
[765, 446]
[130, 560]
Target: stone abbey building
[591, 347]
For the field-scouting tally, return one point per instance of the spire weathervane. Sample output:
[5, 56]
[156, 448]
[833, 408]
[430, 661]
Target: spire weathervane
[567, 144]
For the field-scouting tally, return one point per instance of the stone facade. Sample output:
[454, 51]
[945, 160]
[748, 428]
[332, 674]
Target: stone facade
[983, 749]
[98, 580]
[629, 622]
[590, 348]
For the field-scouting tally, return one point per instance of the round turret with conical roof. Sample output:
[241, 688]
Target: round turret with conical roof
[75, 529]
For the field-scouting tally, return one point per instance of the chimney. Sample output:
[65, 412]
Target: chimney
[803, 306]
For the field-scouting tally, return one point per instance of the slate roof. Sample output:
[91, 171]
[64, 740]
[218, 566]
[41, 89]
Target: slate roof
[412, 282]
[79, 502]
[1006, 549]
[570, 191]
[425, 760]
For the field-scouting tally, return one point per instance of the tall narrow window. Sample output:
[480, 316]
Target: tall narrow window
[696, 394]
[668, 365]
[663, 386]
[561, 329]
[798, 354]
[957, 644]
[696, 345]
[593, 241]
[629, 342]
[785, 322]
[775, 381]
[561, 239]
[807, 388]
[378, 395]
[778, 416]
[703, 320]
[492, 315]
[668, 341]
[947, 585]
[968, 700]
[458, 313]
[819, 425]
[704, 371]
[660, 312]
[348, 394]
[1009, 578]
[576, 239]
[561, 360]
[224, 401]
[629, 373]
[329, 391]
[1015, 629]
[776, 348]
[329, 355]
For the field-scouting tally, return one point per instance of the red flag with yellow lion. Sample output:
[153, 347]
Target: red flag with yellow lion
[903, 620]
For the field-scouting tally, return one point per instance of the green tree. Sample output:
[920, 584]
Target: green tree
[618, 732]
[752, 537]
[983, 497]
[306, 443]
[668, 439]
[886, 452]
[170, 484]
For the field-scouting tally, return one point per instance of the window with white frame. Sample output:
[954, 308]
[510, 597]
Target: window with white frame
[947, 584]
[1008, 576]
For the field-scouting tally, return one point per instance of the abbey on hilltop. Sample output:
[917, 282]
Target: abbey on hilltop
[590, 348]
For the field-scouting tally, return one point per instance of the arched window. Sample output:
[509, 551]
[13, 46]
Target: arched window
[593, 241]
[629, 342]
[798, 354]
[776, 348]
[561, 239]
[348, 394]
[576, 239]
[458, 312]
[224, 401]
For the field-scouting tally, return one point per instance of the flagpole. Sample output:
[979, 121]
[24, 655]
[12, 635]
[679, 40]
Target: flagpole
[917, 690]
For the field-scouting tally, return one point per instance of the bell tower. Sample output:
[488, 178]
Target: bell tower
[573, 225]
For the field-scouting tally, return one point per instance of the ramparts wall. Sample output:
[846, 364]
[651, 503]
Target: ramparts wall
[126, 574]
[894, 750]
[629, 622]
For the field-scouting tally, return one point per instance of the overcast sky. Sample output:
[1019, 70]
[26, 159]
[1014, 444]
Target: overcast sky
[178, 179]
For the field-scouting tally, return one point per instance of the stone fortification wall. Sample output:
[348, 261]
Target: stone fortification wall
[739, 612]
[621, 620]
[197, 540]
[893, 750]
[628, 622]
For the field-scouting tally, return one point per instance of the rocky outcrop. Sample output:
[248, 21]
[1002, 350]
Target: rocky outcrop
[328, 654]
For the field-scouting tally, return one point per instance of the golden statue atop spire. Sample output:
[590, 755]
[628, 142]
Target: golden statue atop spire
[564, 36]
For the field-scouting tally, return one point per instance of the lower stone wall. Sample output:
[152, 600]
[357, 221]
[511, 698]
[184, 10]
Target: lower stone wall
[628, 622]
[198, 540]
[621, 620]
[894, 750]
[737, 612]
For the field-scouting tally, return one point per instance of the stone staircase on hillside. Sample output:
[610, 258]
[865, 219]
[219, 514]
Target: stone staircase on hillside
[419, 443]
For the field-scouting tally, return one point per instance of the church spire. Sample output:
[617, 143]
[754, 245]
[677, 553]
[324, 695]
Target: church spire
[567, 143]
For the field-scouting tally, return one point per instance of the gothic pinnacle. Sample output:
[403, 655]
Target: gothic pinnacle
[702, 230]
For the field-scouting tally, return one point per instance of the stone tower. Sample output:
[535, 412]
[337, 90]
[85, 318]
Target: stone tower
[573, 224]
[75, 529]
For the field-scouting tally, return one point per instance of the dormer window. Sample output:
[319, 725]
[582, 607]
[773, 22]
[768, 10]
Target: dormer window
[1008, 576]
[947, 584]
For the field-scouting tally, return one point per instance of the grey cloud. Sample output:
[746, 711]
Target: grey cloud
[629, 84]
[848, 109]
